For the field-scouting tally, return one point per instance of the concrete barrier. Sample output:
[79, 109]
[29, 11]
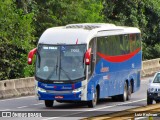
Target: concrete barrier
[2, 89]
[17, 87]
[7, 89]
[29, 85]
[25, 86]
[149, 67]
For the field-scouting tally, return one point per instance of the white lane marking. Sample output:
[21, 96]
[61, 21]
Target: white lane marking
[38, 104]
[6, 110]
[22, 107]
[15, 98]
[52, 118]
[118, 104]
[140, 118]
[95, 109]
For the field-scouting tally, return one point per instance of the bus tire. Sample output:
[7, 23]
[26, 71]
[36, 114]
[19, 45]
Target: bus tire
[129, 92]
[49, 103]
[123, 97]
[93, 103]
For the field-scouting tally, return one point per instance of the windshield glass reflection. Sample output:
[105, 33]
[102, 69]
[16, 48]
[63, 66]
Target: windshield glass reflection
[60, 62]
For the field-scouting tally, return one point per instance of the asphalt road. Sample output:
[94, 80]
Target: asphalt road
[72, 111]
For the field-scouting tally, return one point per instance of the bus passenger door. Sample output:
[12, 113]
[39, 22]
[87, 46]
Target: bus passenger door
[91, 67]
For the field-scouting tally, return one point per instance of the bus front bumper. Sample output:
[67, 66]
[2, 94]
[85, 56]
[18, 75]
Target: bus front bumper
[51, 96]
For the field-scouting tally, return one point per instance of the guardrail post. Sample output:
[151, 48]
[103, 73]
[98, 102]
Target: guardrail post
[150, 118]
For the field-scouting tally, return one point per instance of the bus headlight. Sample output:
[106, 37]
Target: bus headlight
[40, 89]
[78, 89]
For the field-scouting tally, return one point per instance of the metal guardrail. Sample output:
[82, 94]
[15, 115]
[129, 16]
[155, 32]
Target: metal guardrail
[148, 112]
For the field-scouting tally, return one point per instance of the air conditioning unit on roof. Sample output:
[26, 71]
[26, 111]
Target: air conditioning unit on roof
[89, 26]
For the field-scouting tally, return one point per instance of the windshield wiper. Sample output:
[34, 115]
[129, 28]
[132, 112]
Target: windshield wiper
[66, 73]
[56, 65]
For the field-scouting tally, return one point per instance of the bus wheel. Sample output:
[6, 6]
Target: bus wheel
[129, 92]
[123, 97]
[48, 103]
[92, 103]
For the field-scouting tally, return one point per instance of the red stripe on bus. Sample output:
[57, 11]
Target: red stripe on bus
[119, 58]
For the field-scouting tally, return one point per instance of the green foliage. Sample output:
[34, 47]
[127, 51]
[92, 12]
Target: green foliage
[58, 13]
[23, 21]
[144, 14]
[15, 38]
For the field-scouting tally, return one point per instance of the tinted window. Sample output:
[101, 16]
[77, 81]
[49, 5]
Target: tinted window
[118, 44]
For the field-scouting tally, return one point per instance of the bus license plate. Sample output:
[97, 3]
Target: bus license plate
[59, 97]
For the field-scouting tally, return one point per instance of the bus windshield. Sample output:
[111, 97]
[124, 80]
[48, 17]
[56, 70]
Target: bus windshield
[60, 62]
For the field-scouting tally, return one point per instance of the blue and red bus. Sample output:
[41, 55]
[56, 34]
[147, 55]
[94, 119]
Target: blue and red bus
[87, 62]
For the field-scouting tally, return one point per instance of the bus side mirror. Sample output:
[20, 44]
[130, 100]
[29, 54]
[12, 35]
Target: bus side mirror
[30, 55]
[88, 56]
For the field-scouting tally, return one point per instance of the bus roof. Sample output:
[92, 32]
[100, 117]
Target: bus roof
[82, 33]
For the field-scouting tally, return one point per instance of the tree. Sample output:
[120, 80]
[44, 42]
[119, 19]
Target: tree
[58, 13]
[15, 38]
[23, 21]
[152, 30]
[144, 14]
